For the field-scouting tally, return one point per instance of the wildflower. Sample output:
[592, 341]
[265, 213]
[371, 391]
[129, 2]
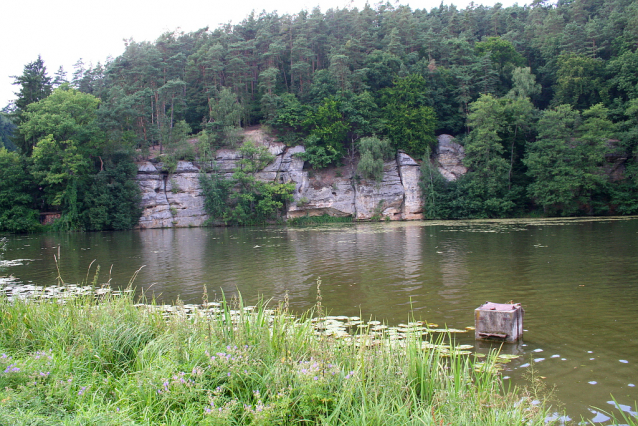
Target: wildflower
[316, 378]
[12, 369]
[81, 391]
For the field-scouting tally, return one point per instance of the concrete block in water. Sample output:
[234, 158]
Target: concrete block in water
[499, 321]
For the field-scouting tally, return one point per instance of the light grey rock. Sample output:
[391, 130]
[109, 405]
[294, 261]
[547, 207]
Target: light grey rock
[171, 201]
[176, 201]
[146, 167]
[410, 173]
[314, 198]
[449, 158]
[382, 199]
[226, 160]
[186, 167]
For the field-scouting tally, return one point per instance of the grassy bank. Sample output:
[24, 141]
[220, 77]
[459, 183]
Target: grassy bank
[108, 361]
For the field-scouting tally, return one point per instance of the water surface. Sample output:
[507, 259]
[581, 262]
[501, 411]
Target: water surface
[576, 279]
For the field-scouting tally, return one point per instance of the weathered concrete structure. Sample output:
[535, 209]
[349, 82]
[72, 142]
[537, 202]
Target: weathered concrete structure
[499, 321]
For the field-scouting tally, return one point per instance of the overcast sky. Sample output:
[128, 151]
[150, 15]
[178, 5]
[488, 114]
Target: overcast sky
[63, 31]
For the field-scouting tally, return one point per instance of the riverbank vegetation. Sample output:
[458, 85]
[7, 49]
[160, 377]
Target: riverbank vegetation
[110, 361]
[542, 97]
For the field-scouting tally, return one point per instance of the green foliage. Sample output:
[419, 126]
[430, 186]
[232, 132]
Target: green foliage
[244, 200]
[289, 118]
[34, 83]
[524, 84]
[74, 167]
[66, 116]
[565, 160]
[317, 220]
[7, 129]
[409, 122]
[487, 182]
[16, 195]
[225, 118]
[434, 189]
[216, 191]
[625, 192]
[329, 79]
[580, 81]
[374, 152]
[503, 57]
[328, 132]
[57, 166]
[65, 138]
[112, 201]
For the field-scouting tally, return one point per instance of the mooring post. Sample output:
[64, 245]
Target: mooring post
[499, 321]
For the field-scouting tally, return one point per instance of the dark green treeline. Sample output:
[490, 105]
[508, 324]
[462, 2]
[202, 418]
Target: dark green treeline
[544, 99]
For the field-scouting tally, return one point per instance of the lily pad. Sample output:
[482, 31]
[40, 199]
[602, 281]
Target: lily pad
[508, 356]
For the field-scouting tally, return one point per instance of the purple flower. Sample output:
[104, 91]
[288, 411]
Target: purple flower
[81, 391]
[11, 369]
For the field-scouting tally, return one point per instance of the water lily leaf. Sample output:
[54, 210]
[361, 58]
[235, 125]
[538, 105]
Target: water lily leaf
[464, 347]
[508, 356]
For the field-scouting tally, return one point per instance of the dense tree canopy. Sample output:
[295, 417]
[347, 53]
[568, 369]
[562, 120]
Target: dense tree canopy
[540, 95]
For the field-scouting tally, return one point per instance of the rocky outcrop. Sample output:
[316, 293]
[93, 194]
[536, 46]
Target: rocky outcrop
[338, 192]
[176, 200]
[449, 158]
[169, 201]
[410, 173]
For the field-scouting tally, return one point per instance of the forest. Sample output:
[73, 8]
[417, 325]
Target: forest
[543, 98]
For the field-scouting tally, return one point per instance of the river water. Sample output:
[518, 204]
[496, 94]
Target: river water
[576, 279]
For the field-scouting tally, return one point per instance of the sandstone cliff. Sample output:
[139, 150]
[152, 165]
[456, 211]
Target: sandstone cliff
[176, 201]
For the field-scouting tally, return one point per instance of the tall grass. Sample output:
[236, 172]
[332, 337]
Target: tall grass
[110, 361]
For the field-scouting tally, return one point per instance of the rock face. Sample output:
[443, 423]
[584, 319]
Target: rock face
[169, 201]
[337, 192]
[176, 200]
[449, 158]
